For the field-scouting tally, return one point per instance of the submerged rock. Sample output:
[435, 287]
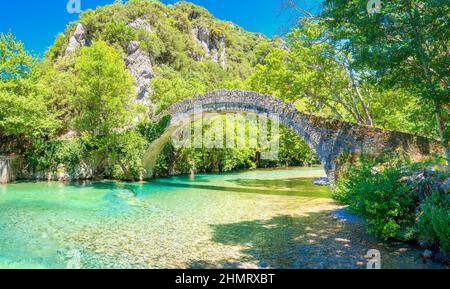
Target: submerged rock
[322, 181]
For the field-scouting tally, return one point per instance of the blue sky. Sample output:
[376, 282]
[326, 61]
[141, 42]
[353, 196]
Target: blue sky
[38, 22]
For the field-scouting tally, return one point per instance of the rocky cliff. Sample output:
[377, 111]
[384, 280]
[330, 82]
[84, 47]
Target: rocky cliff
[77, 40]
[155, 38]
[213, 47]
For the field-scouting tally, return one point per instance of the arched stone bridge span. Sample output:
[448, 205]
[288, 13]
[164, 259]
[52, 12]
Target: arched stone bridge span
[329, 138]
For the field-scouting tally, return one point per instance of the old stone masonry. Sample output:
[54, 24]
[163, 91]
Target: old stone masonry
[330, 139]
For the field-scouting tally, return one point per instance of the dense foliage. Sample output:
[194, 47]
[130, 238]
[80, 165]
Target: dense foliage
[434, 220]
[24, 115]
[392, 206]
[405, 45]
[103, 100]
[402, 50]
[377, 194]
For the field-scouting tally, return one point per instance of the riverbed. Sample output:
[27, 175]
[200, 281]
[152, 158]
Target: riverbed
[252, 219]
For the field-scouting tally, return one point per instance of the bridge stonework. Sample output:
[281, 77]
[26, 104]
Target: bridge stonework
[330, 139]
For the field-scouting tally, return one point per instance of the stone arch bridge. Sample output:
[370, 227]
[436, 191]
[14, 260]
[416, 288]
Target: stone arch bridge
[329, 139]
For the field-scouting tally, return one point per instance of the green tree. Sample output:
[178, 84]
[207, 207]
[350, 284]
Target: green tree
[273, 77]
[168, 89]
[15, 62]
[116, 32]
[24, 115]
[315, 75]
[405, 45]
[103, 110]
[58, 79]
[124, 150]
[104, 99]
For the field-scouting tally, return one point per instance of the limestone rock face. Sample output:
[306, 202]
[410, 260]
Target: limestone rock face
[78, 39]
[9, 169]
[138, 23]
[214, 48]
[139, 65]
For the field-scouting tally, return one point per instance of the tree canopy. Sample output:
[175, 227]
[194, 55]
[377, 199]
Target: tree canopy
[24, 115]
[405, 45]
[103, 100]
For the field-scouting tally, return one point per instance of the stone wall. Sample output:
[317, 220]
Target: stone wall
[330, 139]
[9, 169]
[81, 172]
[12, 169]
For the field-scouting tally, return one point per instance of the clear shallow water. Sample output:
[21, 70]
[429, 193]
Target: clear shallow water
[256, 219]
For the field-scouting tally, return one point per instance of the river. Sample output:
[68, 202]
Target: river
[250, 219]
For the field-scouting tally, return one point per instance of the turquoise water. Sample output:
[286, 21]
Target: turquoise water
[257, 219]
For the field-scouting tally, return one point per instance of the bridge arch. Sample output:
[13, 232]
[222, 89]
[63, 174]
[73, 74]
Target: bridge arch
[328, 138]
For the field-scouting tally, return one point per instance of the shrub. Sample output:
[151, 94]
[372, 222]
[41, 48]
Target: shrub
[387, 204]
[48, 155]
[122, 150]
[116, 33]
[434, 220]
[396, 205]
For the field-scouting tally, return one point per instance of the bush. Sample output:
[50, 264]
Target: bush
[48, 155]
[394, 204]
[122, 150]
[116, 33]
[387, 205]
[434, 220]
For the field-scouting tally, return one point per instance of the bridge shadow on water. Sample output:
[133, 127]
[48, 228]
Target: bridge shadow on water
[301, 187]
